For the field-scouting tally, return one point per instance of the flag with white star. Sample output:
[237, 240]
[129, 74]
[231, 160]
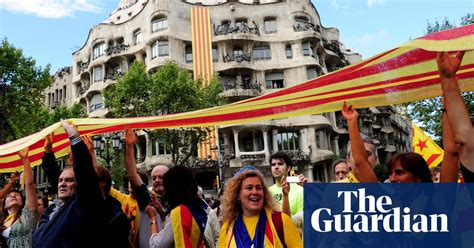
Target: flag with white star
[426, 147]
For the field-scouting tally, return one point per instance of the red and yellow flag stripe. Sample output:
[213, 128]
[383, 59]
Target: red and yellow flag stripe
[403, 74]
[186, 231]
[203, 69]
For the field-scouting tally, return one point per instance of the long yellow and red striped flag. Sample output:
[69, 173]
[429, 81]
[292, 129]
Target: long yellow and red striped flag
[403, 74]
[426, 147]
[203, 69]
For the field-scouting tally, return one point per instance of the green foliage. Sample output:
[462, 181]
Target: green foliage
[24, 100]
[428, 112]
[169, 90]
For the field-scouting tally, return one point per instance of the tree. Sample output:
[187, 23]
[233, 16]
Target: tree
[428, 112]
[169, 90]
[22, 84]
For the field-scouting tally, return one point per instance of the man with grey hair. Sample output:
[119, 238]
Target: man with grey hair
[370, 148]
[157, 180]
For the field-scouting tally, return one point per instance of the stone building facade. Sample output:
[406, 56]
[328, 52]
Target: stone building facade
[258, 46]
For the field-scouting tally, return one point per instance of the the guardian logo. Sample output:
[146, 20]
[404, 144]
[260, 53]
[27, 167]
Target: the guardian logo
[374, 215]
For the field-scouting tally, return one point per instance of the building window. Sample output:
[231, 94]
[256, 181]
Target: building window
[270, 26]
[289, 52]
[159, 148]
[288, 141]
[311, 73]
[262, 53]
[301, 21]
[137, 37]
[189, 54]
[308, 49]
[251, 141]
[99, 50]
[159, 24]
[321, 142]
[160, 49]
[96, 102]
[215, 58]
[274, 80]
[98, 74]
[64, 91]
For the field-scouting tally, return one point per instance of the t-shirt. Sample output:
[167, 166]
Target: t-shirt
[290, 232]
[295, 197]
[130, 208]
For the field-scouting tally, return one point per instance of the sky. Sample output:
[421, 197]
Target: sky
[51, 30]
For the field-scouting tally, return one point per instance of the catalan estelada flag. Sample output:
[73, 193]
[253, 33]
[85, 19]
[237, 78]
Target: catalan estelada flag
[186, 231]
[426, 147]
[403, 74]
[203, 69]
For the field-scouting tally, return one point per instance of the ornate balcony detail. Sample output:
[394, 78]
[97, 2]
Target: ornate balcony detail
[207, 163]
[299, 157]
[226, 159]
[116, 49]
[63, 70]
[306, 27]
[113, 74]
[244, 84]
[252, 157]
[239, 58]
[83, 66]
[244, 28]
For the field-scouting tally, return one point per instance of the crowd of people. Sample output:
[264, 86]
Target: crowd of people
[172, 212]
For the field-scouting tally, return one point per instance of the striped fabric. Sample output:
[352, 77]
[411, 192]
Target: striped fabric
[202, 69]
[186, 231]
[403, 74]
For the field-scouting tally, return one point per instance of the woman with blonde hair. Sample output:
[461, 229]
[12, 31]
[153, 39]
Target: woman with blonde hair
[250, 215]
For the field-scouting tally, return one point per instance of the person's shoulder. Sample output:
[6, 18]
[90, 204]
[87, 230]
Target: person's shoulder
[345, 180]
[274, 187]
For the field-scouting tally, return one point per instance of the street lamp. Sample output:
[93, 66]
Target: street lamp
[103, 145]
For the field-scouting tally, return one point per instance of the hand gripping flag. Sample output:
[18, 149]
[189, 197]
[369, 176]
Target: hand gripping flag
[426, 147]
[406, 73]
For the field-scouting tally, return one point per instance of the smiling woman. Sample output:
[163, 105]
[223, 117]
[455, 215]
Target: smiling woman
[250, 215]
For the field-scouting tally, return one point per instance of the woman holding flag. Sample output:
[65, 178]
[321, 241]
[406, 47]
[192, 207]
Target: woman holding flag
[249, 215]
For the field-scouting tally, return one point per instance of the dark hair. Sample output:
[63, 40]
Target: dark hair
[414, 163]
[280, 155]
[338, 162]
[143, 176]
[105, 177]
[44, 199]
[5, 211]
[180, 187]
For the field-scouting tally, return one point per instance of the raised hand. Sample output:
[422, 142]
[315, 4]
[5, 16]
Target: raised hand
[23, 153]
[349, 113]
[130, 137]
[285, 186]
[48, 143]
[88, 141]
[70, 129]
[448, 64]
[15, 177]
[303, 180]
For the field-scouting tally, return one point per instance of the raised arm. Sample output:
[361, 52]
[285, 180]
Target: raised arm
[139, 187]
[90, 146]
[49, 165]
[361, 159]
[31, 203]
[285, 202]
[130, 164]
[13, 179]
[87, 181]
[450, 164]
[458, 116]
